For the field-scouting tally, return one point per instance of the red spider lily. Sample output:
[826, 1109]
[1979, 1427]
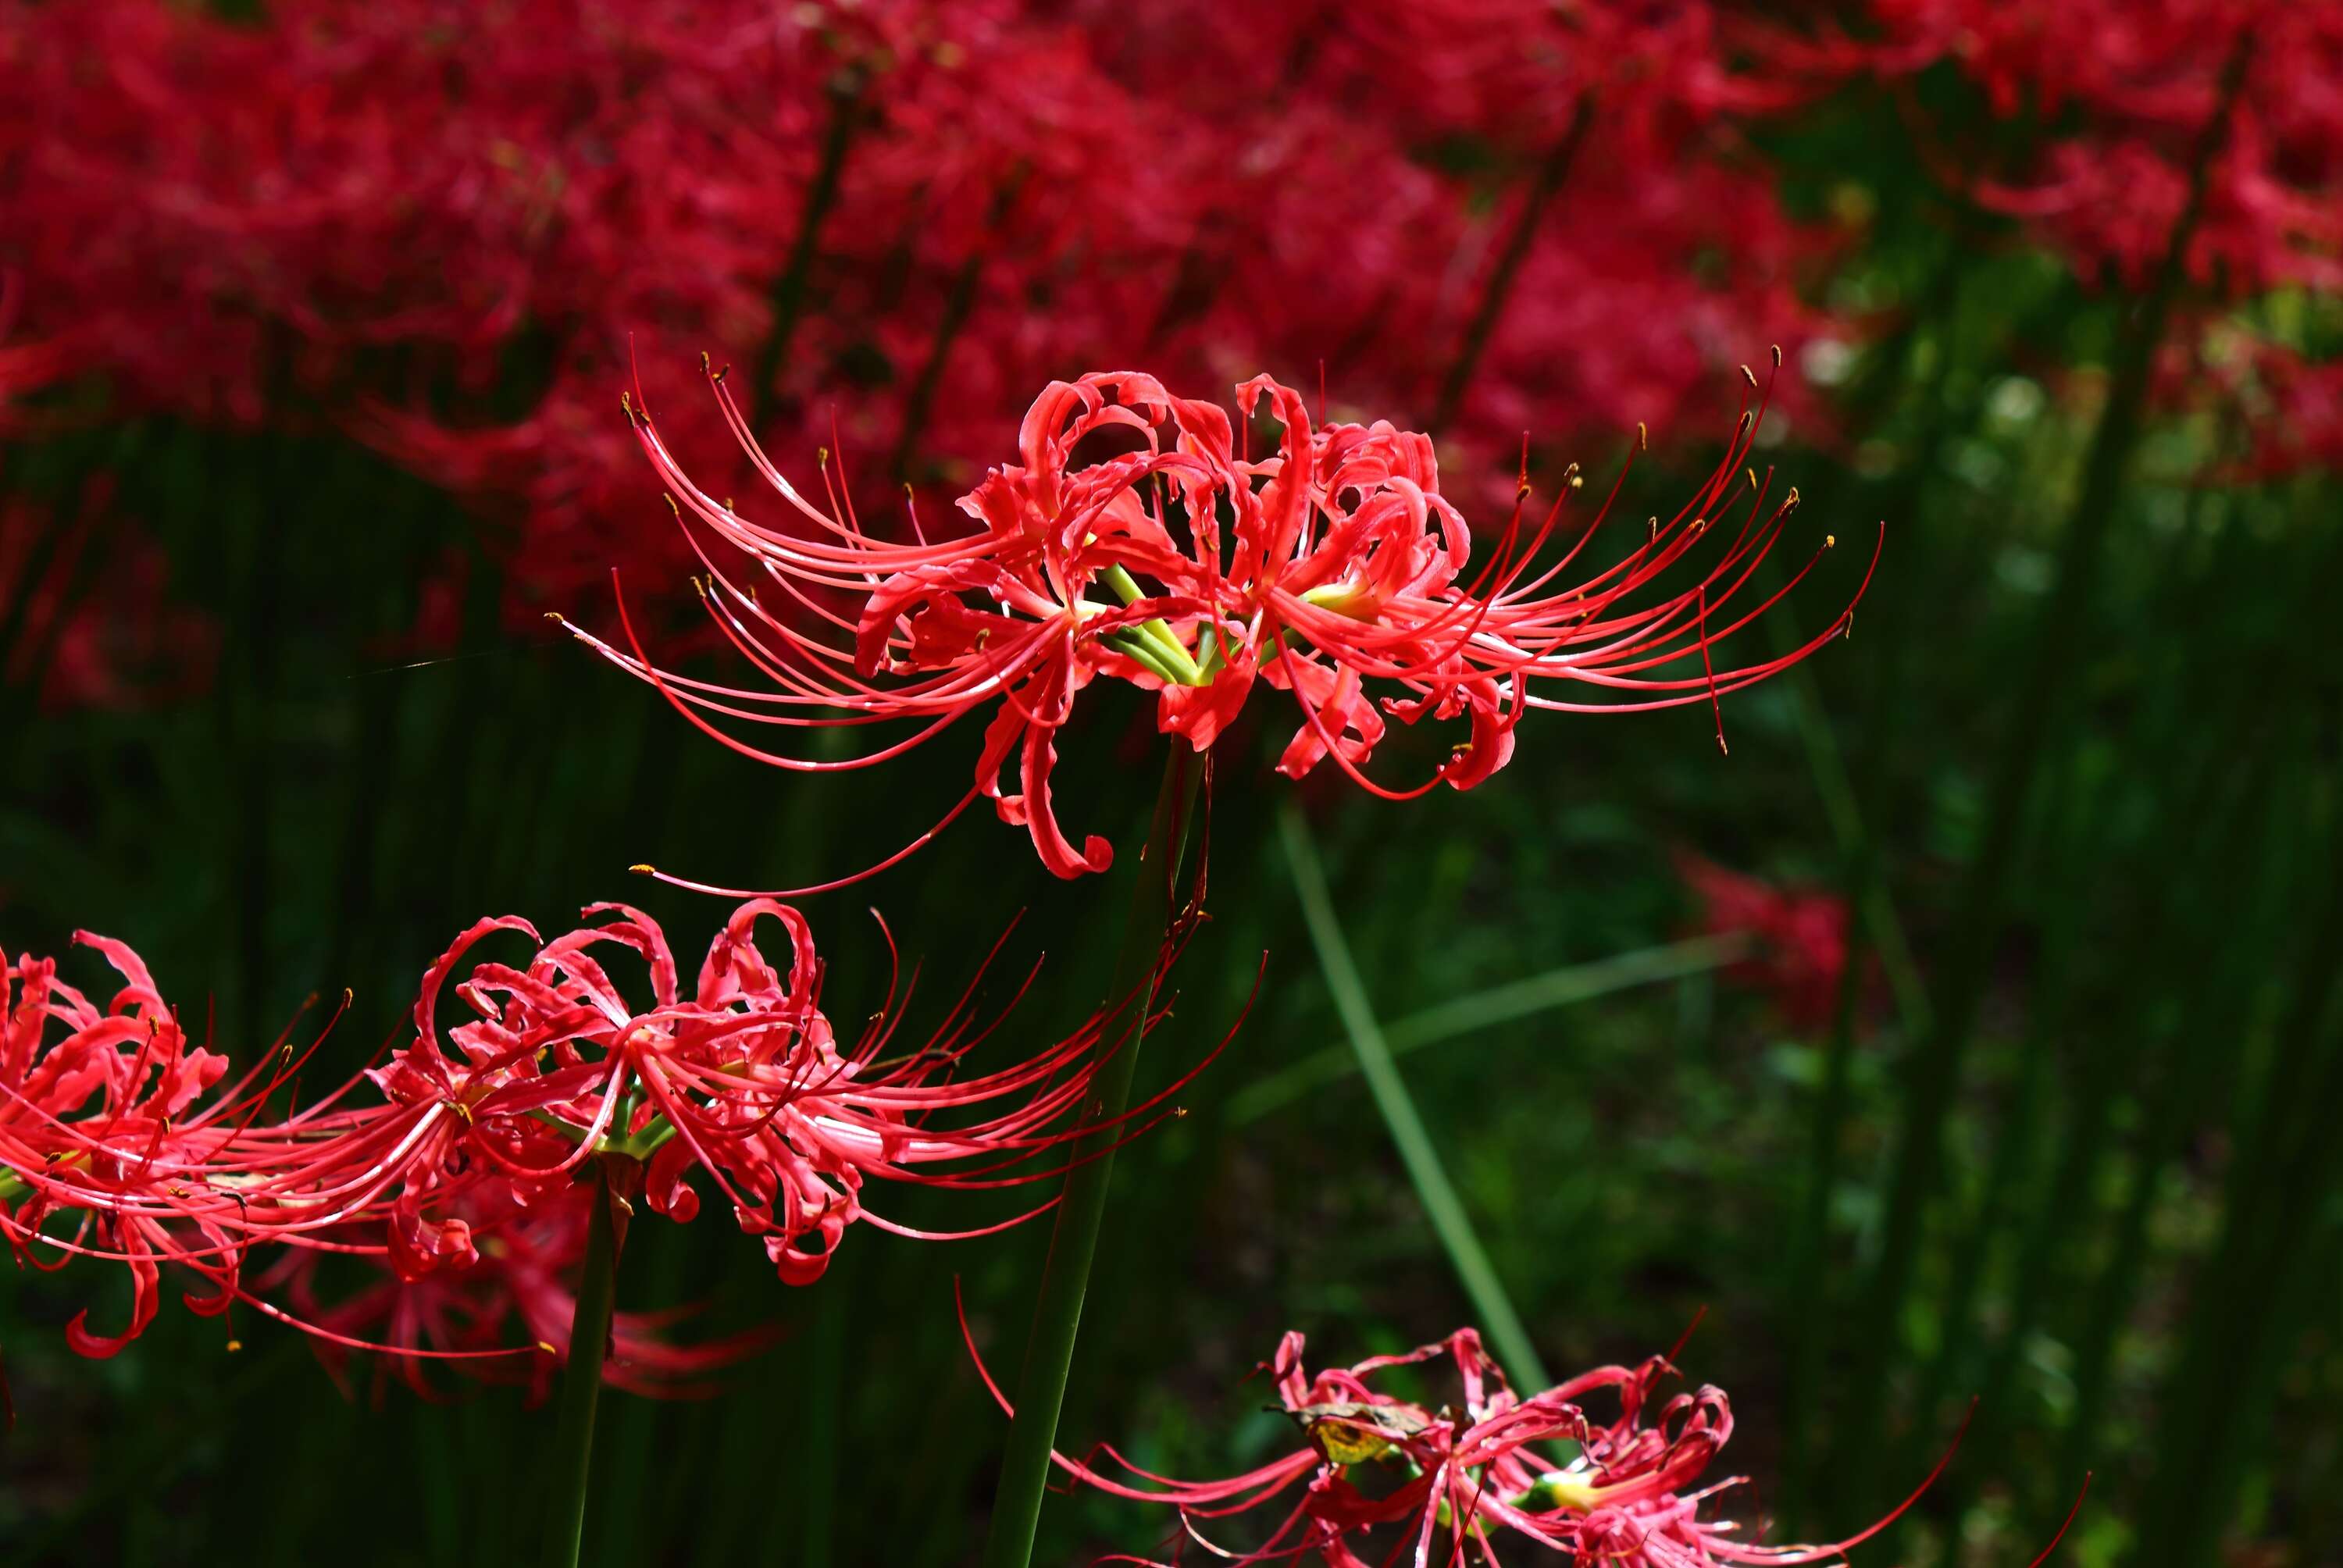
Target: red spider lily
[119, 1142]
[1374, 1468]
[740, 1080]
[1801, 935]
[121, 1128]
[1184, 567]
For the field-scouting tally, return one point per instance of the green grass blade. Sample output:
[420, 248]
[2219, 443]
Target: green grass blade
[1485, 1009]
[1498, 1320]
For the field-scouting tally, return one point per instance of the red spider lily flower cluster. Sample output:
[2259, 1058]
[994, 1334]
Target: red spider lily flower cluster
[2130, 89]
[1134, 539]
[2116, 96]
[1380, 1478]
[370, 213]
[452, 1167]
[1800, 936]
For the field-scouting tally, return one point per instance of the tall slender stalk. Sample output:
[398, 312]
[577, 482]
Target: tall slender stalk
[1552, 172]
[1494, 1308]
[581, 1379]
[958, 304]
[1802, 1259]
[2202, 838]
[1936, 1065]
[1155, 877]
[2287, 1154]
[789, 288]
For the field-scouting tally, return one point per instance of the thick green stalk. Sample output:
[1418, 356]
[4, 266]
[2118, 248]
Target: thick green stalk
[1499, 1320]
[1485, 1009]
[825, 1416]
[1081, 1209]
[581, 1380]
[1935, 1069]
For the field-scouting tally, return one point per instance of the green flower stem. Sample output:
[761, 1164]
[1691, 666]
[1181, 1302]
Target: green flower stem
[1494, 1309]
[1183, 667]
[11, 1189]
[1137, 647]
[1485, 1009]
[581, 1380]
[1154, 876]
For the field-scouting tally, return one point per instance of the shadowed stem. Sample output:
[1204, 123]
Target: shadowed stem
[1866, 888]
[958, 304]
[581, 1379]
[1490, 1304]
[1154, 875]
[1543, 189]
[1936, 1069]
[790, 288]
[2272, 1197]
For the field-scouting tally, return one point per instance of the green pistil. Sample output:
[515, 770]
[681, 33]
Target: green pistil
[1342, 599]
[1573, 1489]
[1166, 656]
[640, 1145]
[1209, 638]
[648, 1143]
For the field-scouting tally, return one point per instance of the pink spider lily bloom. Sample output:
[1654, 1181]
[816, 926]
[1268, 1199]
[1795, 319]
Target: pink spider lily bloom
[1134, 539]
[1800, 936]
[739, 1080]
[1376, 1478]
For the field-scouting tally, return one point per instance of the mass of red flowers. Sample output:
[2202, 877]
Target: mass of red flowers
[440, 227]
[1134, 538]
[1373, 1477]
[427, 1205]
[2104, 106]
